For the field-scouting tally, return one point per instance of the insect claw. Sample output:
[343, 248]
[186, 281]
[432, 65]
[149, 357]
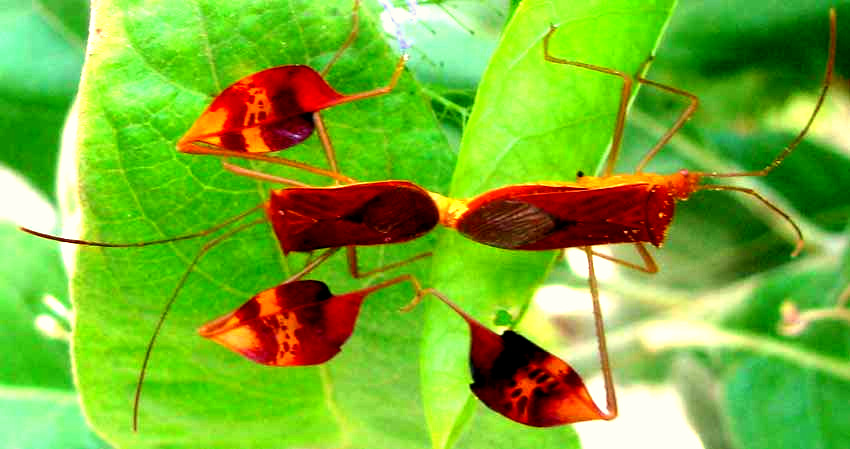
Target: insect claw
[412, 304]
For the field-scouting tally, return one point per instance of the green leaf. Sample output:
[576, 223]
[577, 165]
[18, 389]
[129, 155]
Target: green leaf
[153, 68]
[532, 121]
[453, 40]
[43, 419]
[788, 391]
[705, 37]
[41, 53]
[698, 387]
[773, 404]
[30, 269]
[493, 430]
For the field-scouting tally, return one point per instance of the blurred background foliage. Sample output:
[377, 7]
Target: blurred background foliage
[725, 270]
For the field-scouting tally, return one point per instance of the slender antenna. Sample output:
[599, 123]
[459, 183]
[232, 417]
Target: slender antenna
[830, 63]
[610, 393]
[207, 246]
[799, 245]
[151, 242]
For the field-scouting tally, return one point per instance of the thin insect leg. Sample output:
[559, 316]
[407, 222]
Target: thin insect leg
[644, 67]
[207, 231]
[325, 138]
[242, 171]
[417, 286]
[207, 246]
[649, 266]
[683, 117]
[830, 63]
[799, 245]
[355, 27]
[354, 269]
[399, 68]
[310, 266]
[198, 147]
[610, 393]
[625, 94]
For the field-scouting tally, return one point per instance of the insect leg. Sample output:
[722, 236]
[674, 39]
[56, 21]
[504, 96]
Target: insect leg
[649, 266]
[625, 94]
[355, 27]
[312, 264]
[354, 269]
[610, 393]
[214, 150]
[683, 117]
[258, 175]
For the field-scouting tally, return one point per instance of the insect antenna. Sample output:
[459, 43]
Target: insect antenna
[204, 249]
[830, 63]
[202, 233]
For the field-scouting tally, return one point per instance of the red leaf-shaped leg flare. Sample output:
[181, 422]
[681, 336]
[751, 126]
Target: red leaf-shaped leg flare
[294, 324]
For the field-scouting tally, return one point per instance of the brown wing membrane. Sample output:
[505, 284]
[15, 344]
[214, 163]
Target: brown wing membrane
[507, 224]
[305, 219]
[568, 216]
[294, 324]
[268, 111]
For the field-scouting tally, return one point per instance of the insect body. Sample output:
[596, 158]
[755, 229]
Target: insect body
[305, 219]
[275, 109]
[633, 208]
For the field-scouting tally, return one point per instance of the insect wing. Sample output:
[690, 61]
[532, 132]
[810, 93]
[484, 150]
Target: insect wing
[570, 216]
[305, 219]
[268, 111]
[294, 324]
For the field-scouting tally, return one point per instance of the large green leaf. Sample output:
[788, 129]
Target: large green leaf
[41, 52]
[41, 418]
[532, 121]
[153, 68]
[788, 399]
[38, 406]
[30, 270]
